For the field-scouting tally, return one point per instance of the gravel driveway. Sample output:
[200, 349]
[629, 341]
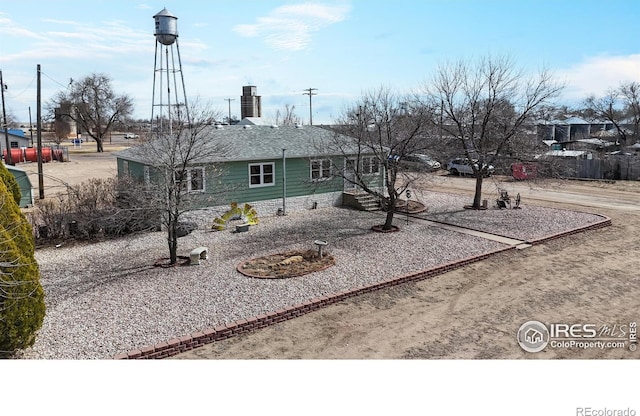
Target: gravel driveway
[107, 298]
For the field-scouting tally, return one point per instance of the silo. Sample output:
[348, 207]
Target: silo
[166, 27]
[64, 125]
[250, 105]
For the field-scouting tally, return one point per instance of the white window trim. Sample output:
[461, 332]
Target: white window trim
[262, 184]
[188, 180]
[370, 159]
[321, 178]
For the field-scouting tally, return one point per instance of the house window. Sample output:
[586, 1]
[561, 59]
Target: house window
[370, 165]
[196, 180]
[261, 174]
[191, 180]
[320, 169]
[14, 145]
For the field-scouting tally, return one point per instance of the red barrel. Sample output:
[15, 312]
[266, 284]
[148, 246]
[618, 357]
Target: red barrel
[17, 156]
[58, 155]
[46, 154]
[31, 154]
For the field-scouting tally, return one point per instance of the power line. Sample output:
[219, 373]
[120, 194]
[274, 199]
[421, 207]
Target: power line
[310, 92]
[23, 91]
[63, 86]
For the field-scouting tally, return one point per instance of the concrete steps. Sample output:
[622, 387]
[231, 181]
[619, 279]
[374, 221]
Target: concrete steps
[367, 202]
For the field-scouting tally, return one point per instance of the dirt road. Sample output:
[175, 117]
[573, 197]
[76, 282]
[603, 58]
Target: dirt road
[475, 312]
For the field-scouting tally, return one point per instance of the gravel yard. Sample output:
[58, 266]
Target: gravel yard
[527, 223]
[107, 298]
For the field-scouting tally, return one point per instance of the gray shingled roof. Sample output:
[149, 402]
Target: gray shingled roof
[265, 142]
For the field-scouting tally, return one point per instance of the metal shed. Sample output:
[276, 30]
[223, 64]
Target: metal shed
[25, 185]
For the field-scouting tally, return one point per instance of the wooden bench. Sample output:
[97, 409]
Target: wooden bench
[197, 254]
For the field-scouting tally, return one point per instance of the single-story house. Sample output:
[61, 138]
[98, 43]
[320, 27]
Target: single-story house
[273, 168]
[26, 189]
[17, 139]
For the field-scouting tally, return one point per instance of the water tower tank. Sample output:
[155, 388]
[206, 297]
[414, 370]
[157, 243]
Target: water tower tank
[166, 27]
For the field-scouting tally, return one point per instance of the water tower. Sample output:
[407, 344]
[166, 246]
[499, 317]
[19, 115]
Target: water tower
[169, 101]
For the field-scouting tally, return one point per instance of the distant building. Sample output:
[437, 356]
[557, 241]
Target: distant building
[17, 139]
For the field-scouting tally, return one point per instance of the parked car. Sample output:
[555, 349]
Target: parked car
[130, 136]
[463, 166]
[421, 162]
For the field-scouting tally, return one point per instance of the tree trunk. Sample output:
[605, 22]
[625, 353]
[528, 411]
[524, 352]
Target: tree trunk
[172, 238]
[390, 212]
[477, 197]
[99, 147]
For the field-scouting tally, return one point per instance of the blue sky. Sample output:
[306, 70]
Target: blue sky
[340, 47]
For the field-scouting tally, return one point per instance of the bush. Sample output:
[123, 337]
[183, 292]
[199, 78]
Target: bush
[11, 183]
[22, 307]
[98, 208]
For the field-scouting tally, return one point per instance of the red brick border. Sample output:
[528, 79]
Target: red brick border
[189, 342]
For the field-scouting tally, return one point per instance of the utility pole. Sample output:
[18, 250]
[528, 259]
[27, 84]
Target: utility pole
[30, 126]
[229, 101]
[39, 136]
[310, 92]
[4, 123]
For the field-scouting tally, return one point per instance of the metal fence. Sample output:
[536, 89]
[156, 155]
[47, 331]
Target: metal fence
[617, 167]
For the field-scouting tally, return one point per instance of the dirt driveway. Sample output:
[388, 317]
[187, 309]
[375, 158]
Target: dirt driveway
[473, 312]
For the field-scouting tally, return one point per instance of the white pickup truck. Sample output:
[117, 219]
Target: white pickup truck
[130, 136]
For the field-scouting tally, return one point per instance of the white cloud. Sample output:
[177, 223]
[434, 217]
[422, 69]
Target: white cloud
[290, 27]
[598, 74]
[10, 29]
[75, 40]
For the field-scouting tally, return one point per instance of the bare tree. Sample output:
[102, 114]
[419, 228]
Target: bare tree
[287, 117]
[180, 164]
[620, 107]
[484, 106]
[381, 129]
[93, 105]
[630, 93]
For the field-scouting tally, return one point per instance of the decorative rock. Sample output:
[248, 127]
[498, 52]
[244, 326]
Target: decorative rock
[291, 260]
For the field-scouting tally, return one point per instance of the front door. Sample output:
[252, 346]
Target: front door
[350, 175]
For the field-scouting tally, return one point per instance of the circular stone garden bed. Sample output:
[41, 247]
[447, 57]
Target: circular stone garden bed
[287, 264]
[415, 207]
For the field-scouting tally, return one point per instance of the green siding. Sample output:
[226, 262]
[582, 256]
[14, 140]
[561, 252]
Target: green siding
[232, 184]
[135, 169]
